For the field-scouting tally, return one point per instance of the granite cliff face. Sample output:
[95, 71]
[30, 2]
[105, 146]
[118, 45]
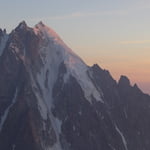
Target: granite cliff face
[51, 100]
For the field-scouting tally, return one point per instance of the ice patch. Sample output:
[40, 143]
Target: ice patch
[74, 128]
[4, 117]
[58, 124]
[80, 112]
[112, 147]
[125, 114]
[122, 137]
[13, 147]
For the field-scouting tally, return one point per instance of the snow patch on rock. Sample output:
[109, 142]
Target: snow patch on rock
[53, 51]
[56, 52]
[122, 137]
[4, 117]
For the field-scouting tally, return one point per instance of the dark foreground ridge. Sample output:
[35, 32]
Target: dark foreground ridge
[51, 100]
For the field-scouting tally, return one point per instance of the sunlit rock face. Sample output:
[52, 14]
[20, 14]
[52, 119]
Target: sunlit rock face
[51, 100]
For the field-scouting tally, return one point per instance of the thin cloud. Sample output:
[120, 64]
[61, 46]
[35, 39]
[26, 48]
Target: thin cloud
[135, 42]
[89, 14]
[83, 14]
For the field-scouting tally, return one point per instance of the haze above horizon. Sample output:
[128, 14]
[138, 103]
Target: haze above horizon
[115, 34]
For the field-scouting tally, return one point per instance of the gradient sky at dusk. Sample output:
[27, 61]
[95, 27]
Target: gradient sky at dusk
[113, 33]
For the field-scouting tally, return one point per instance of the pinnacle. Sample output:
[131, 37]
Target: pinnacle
[22, 25]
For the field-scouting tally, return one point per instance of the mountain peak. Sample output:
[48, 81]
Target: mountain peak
[124, 81]
[49, 32]
[22, 25]
[2, 32]
[41, 24]
[48, 94]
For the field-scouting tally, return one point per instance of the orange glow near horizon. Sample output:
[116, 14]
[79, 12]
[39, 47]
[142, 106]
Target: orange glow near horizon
[137, 71]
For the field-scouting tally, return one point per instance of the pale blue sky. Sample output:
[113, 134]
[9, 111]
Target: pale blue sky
[113, 33]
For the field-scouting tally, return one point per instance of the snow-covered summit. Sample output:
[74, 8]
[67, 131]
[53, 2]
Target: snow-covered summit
[47, 31]
[54, 39]
[55, 52]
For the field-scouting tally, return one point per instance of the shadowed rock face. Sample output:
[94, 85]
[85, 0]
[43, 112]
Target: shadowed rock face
[129, 108]
[22, 128]
[65, 119]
